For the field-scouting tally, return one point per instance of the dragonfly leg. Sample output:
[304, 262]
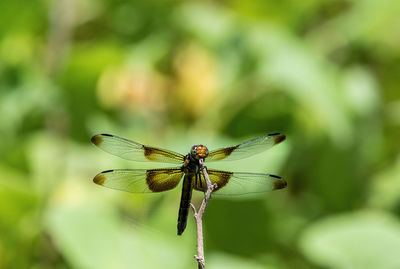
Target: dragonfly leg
[196, 180]
[200, 181]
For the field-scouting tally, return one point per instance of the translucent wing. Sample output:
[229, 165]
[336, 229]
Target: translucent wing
[246, 149]
[140, 180]
[134, 151]
[237, 183]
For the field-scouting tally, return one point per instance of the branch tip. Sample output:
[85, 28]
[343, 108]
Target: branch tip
[198, 215]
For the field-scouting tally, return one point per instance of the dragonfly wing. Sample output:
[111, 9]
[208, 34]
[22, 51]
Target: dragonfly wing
[246, 149]
[140, 180]
[131, 150]
[237, 183]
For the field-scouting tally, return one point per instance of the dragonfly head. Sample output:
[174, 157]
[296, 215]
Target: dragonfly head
[199, 151]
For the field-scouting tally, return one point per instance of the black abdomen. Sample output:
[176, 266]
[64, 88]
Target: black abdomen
[185, 203]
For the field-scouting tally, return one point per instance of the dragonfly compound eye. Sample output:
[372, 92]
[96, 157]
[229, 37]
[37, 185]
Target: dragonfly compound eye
[193, 151]
[201, 151]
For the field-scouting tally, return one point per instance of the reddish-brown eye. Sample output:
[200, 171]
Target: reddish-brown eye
[202, 151]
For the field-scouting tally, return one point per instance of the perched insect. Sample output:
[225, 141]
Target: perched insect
[190, 169]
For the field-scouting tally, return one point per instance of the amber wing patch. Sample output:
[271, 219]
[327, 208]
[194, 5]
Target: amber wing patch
[279, 184]
[97, 140]
[99, 179]
[221, 178]
[279, 138]
[221, 154]
[162, 179]
[157, 155]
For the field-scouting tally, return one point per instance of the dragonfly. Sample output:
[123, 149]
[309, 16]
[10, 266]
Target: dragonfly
[190, 169]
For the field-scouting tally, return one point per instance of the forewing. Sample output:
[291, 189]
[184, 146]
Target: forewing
[140, 180]
[246, 149]
[131, 150]
[237, 183]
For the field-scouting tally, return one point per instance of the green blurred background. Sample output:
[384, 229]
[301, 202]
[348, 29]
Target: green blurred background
[174, 73]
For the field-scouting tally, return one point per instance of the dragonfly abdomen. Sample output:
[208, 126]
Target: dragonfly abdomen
[185, 202]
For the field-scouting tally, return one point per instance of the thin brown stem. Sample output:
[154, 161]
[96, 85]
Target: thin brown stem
[198, 215]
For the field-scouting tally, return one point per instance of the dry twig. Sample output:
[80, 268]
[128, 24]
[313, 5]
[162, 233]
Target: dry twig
[198, 215]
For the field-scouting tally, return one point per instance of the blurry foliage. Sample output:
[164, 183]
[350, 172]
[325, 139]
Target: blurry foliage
[174, 73]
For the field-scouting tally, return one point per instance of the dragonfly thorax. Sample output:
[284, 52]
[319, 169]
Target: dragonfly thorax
[199, 151]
